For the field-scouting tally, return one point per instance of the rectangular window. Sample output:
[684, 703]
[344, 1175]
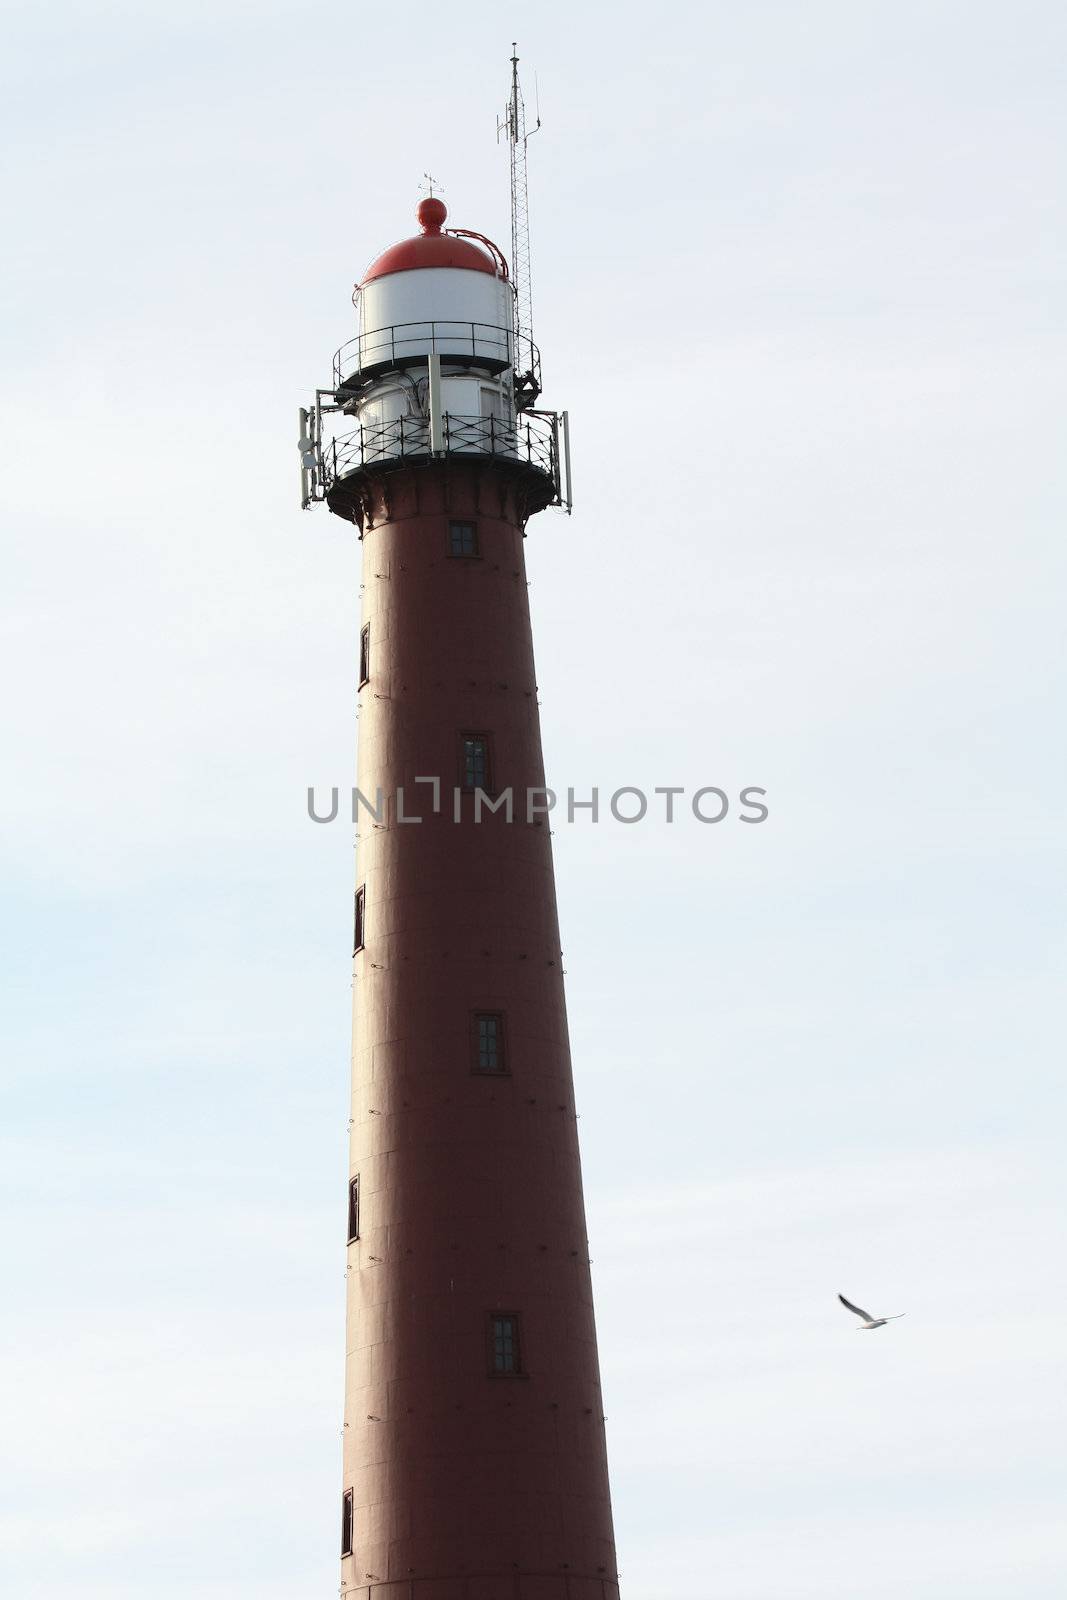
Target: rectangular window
[364, 654]
[462, 539]
[347, 1521]
[504, 1360]
[353, 1209]
[361, 910]
[487, 1038]
[476, 773]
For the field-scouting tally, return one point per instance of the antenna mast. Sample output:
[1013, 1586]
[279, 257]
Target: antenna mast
[514, 125]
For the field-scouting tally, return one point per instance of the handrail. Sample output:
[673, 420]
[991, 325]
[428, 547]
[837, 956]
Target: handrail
[529, 440]
[410, 341]
[498, 255]
[510, 1584]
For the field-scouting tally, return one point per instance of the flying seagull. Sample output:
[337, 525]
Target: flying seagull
[868, 1320]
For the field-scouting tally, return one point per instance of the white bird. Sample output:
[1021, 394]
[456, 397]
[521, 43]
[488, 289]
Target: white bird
[868, 1320]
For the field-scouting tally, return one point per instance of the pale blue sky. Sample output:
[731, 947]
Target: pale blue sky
[798, 277]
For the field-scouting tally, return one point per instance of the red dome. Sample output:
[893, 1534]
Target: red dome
[431, 248]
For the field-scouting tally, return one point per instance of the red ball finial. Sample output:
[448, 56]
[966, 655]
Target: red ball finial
[431, 214]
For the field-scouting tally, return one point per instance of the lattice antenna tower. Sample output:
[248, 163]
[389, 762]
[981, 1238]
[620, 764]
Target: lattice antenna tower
[513, 124]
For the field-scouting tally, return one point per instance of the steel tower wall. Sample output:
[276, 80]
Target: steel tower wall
[466, 1485]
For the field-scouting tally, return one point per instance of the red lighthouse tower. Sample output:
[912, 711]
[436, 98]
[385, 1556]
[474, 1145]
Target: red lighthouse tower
[474, 1454]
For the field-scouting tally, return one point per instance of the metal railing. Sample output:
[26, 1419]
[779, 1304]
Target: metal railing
[531, 441]
[408, 342]
[505, 1584]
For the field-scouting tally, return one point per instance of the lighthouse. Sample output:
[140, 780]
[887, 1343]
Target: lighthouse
[474, 1463]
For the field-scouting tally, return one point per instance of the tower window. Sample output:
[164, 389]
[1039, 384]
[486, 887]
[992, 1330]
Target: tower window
[353, 1208]
[361, 918]
[364, 654]
[347, 1521]
[487, 1039]
[504, 1357]
[462, 539]
[476, 769]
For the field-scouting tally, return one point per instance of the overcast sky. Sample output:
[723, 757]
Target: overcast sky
[798, 278]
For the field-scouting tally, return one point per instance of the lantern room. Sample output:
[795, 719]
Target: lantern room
[435, 369]
[444, 293]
